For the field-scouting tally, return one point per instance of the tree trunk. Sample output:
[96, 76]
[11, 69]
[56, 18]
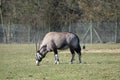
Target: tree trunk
[1, 17]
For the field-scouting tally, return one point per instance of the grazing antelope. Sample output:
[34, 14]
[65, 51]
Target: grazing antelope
[58, 40]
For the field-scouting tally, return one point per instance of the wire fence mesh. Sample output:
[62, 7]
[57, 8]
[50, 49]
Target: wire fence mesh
[87, 32]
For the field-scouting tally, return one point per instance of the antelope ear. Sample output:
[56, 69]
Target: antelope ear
[44, 46]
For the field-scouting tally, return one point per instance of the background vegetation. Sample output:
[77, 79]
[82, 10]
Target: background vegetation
[57, 13]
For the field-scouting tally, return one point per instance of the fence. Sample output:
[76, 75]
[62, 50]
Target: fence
[87, 32]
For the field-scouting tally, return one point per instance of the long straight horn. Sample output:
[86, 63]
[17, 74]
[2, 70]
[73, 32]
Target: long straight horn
[36, 46]
[39, 45]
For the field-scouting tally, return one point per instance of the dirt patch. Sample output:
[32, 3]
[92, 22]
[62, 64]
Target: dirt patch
[102, 50]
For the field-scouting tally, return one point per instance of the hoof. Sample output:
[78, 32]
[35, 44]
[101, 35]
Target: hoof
[57, 62]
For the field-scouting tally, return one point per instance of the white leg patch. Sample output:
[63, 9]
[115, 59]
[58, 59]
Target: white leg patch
[56, 59]
[56, 62]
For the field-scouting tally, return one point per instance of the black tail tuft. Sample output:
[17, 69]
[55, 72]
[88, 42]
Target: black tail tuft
[84, 47]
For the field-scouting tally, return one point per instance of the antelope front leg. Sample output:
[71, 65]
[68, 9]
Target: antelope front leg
[56, 57]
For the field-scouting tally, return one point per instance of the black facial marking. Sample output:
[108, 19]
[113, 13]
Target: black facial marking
[38, 51]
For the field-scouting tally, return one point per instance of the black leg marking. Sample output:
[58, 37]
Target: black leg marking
[73, 55]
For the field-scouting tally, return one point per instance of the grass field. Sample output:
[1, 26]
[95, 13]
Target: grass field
[99, 62]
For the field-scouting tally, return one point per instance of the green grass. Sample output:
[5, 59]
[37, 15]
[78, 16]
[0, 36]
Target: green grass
[17, 62]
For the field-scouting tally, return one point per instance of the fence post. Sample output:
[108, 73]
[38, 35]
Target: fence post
[91, 34]
[28, 33]
[116, 24]
[116, 33]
